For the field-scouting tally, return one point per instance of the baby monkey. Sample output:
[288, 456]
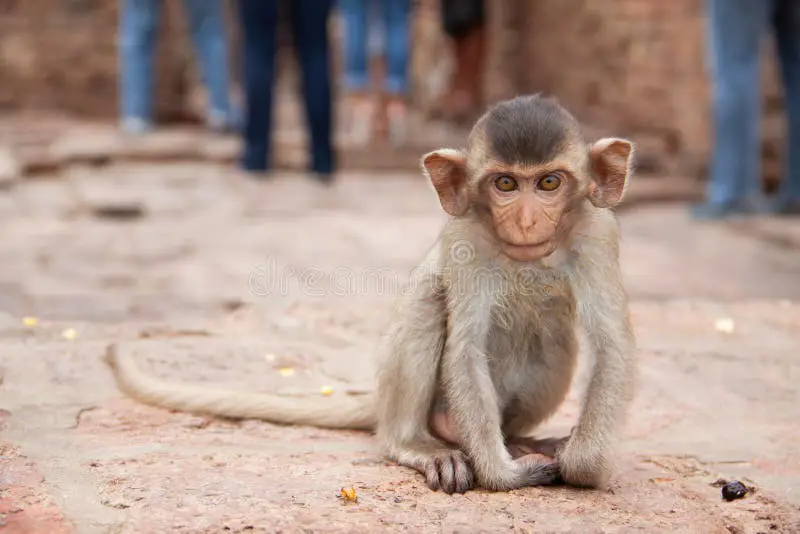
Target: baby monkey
[484, 344]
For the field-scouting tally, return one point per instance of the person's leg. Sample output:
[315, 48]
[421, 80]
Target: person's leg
[259, 21]
[464, 21]
[137, 39]
[207, 26]
[397, 18]
[310, 25]
[787, 30]
[397, 21]
[356, 17]
[474, 68]
[736, 28]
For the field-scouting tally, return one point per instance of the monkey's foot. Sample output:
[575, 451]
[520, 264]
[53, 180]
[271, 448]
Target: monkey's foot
[583, 464]
[448, 470]
[539, 470]
[522, 446]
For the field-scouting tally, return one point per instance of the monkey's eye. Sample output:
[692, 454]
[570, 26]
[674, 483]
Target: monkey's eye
[505, 184]
[551, 182]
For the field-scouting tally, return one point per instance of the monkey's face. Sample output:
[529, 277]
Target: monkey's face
[526, 173]
[527, 207]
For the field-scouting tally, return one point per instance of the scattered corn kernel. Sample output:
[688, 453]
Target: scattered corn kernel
[30, 321]
[349, 494]
[69, 334]
[326, 390]
[286, 371]
[724, 325]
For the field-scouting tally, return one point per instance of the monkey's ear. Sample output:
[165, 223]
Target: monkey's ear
[447, 170]
[611, 160]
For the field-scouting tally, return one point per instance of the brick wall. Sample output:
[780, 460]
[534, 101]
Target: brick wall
[61, 54]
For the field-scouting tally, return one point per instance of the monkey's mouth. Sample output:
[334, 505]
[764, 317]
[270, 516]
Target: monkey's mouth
[528, 251]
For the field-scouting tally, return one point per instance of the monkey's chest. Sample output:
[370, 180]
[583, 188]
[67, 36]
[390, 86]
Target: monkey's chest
[523, 310]
[530, 340]
[523, 330]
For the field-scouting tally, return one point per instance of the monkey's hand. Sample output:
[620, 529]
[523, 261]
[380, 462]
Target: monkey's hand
[538, 470]
[584, 463]
[449, 471]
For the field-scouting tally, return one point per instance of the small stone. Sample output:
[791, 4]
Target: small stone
[122, 212]
[733, 490]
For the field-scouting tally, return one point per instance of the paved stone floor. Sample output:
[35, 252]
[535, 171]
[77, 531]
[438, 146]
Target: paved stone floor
[211, 278]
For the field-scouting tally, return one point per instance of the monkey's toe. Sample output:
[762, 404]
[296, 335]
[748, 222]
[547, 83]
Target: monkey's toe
[449, 471]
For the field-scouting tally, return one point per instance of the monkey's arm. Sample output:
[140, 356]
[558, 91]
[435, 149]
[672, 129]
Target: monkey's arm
[408, 364]
[603, 312]
[473, 402]
[408, 384]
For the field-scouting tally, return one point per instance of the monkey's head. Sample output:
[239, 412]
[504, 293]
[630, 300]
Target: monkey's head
[527, 173]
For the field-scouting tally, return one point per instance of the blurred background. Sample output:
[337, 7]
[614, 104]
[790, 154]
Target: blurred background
[629, 67]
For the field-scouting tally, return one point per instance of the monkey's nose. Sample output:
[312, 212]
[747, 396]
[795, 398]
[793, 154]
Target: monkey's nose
[527, 217]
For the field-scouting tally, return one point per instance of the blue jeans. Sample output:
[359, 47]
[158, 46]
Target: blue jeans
[139, 22]
[309, 23]
[736, 30]
[395, 16]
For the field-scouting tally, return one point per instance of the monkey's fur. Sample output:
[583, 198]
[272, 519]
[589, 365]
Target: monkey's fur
[484, 345]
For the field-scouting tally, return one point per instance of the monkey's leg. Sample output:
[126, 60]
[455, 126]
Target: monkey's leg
[586, 459]
[474, 406]
[407, 387]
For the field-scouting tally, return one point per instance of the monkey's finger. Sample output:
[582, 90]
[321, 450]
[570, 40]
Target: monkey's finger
[447, 474]
[432, 475]
[464, 477]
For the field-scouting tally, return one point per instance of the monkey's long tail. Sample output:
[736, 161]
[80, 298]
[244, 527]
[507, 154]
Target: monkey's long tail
[357, 413]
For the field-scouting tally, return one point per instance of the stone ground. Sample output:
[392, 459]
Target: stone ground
[211, 278]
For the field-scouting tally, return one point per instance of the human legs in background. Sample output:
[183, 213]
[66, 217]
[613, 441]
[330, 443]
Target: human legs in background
[312, 42]
[787, 33]
[735, 32]
[259, 21]
[207, 26]
[396, 16]
[356, 17]
[465, 22]
[137, 40]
